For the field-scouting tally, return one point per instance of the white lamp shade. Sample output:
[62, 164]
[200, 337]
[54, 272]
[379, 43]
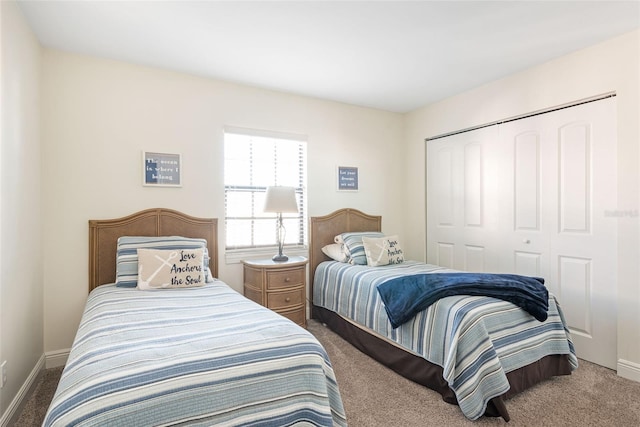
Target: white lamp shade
[280, 199]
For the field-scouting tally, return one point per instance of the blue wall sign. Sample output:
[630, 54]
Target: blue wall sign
[347, 178]
[161, 169]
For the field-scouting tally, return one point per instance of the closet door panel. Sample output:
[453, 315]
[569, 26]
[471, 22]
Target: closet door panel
[445, 255]
[584, 249]
[575, 178]
[461, 204]
[526, 166]
[575, 284]
[527, 263]
[444, 187]
[474, 258]
[473, 188]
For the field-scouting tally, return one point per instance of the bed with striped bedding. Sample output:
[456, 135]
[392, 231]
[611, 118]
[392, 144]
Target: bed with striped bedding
[194, 356]
[476, 340]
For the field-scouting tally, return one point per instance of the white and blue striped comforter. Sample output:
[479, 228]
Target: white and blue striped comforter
[198, 356]
[476, 340]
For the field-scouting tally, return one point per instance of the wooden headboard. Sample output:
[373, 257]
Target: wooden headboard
[104, 233]
[323, 229]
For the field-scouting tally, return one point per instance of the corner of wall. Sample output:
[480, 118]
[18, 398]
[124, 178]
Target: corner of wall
[10, 416]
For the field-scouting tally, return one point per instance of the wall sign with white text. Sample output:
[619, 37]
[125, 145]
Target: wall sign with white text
[161, 169]
[347, 178]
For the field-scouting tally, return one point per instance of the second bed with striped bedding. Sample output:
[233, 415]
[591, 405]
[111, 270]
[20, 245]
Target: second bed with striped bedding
[475, 339]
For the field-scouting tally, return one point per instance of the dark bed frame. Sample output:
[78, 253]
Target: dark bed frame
[322, 231]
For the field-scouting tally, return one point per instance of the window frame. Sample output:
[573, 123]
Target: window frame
[237, 254]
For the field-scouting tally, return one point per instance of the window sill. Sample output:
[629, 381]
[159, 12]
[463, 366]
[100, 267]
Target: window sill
[237, 255]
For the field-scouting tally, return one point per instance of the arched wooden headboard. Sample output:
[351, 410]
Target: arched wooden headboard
[104, 234]
[323, 229]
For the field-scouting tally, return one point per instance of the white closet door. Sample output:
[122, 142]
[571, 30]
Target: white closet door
[462, 214]
[564, 181]
[545, 187]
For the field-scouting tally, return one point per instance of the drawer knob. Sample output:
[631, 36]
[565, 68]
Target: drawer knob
[287, 279]
[287, 299]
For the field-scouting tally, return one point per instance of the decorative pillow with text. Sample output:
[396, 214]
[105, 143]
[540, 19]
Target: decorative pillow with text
[170, 268]
[383, 250]
[127, 254]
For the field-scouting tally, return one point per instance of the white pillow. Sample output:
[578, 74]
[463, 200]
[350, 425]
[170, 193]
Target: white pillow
[170, 268]
[383, 250]
[336, 252]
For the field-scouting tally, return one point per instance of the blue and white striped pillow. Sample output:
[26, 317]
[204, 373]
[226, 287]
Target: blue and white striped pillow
[127, 254]
[355, 247]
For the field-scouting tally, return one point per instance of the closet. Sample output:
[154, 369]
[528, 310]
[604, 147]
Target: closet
[535, 196]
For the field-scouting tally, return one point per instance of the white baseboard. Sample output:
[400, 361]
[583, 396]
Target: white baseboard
[56, 358]
[629, 370]
[21, 398]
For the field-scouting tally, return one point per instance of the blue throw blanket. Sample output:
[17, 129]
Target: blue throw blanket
[405, 296]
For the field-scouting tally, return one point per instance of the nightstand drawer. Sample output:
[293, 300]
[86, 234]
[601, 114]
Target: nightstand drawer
[285, 279]
[253, 277]
[297, 316]
[277, 300]
[253, 294]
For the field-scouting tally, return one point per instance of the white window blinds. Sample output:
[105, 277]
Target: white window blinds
[254, 160]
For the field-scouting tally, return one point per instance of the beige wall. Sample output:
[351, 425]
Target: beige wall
[21, 330]
[606, 67]
[98, 115]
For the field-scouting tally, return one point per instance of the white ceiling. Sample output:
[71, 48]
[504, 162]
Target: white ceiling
[391, 55]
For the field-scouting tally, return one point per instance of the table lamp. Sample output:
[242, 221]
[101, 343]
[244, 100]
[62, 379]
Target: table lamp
[280, 200]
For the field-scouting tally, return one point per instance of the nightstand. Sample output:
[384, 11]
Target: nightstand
[279, 286]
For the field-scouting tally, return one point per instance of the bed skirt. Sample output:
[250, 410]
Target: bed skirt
[423, 372]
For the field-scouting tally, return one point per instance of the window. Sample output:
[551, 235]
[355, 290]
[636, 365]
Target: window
[254, 160]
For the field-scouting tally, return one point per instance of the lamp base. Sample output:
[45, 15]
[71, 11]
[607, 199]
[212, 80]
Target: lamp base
[280, 258]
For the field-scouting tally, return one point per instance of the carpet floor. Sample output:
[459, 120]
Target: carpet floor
[376, 396]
